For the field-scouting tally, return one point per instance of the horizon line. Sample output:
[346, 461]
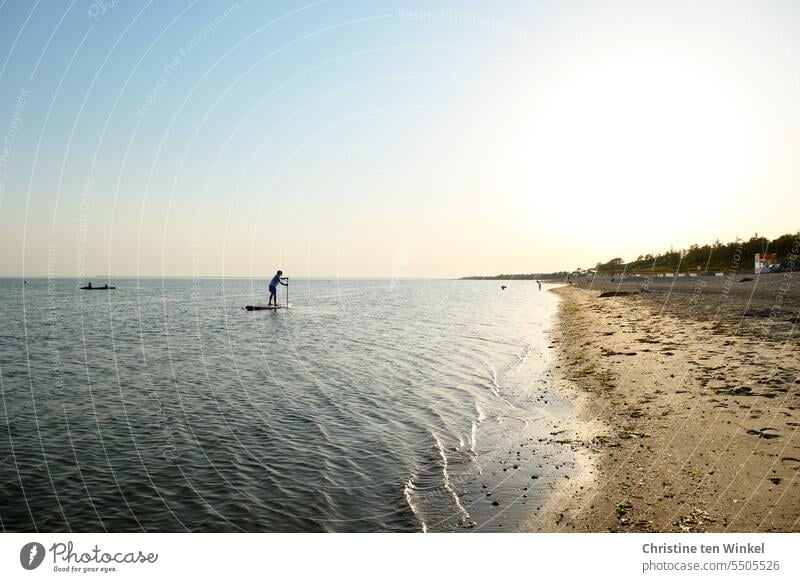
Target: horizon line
[103, 277]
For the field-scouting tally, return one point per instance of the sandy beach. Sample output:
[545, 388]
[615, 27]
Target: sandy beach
[691, 387]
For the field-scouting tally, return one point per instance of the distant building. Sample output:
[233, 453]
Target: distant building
[764, 262]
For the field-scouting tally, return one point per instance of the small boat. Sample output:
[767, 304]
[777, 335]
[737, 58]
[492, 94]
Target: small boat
[262, 307]
[103, 288]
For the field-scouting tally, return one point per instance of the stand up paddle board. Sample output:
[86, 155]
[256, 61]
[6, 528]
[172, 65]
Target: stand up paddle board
[262, 307]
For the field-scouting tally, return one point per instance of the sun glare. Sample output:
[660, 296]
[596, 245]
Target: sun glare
[634, 141]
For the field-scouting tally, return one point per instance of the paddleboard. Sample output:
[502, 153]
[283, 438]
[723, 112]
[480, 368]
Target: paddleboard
[262, 307]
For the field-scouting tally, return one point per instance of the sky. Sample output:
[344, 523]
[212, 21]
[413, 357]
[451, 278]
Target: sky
[390, 139]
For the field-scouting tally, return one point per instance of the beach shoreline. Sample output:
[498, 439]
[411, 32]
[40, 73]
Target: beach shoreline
[689, 393]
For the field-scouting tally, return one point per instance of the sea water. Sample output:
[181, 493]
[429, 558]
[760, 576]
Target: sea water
[368, 405]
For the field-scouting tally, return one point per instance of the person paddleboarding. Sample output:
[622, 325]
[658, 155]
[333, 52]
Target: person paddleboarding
[278, 279]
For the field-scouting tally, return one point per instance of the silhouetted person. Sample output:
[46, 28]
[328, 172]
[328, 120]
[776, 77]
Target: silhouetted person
[539, 283]
[273, 287]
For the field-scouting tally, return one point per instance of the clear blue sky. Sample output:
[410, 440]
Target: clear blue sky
[389, 138]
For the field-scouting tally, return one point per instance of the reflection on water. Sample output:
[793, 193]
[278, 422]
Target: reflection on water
[368, 406]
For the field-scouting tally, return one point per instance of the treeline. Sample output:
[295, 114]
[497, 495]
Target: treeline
[737, 255]
[560, 276]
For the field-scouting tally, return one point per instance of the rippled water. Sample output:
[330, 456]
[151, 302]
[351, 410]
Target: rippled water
[370, 405]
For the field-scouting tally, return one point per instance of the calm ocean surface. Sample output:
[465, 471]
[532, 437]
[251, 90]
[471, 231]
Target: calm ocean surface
[369, 405]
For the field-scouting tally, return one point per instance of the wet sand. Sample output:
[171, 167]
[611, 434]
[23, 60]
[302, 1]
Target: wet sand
[691, 390]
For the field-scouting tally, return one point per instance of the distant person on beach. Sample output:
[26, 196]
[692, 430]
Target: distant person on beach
[539, 283]
[278, 279]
